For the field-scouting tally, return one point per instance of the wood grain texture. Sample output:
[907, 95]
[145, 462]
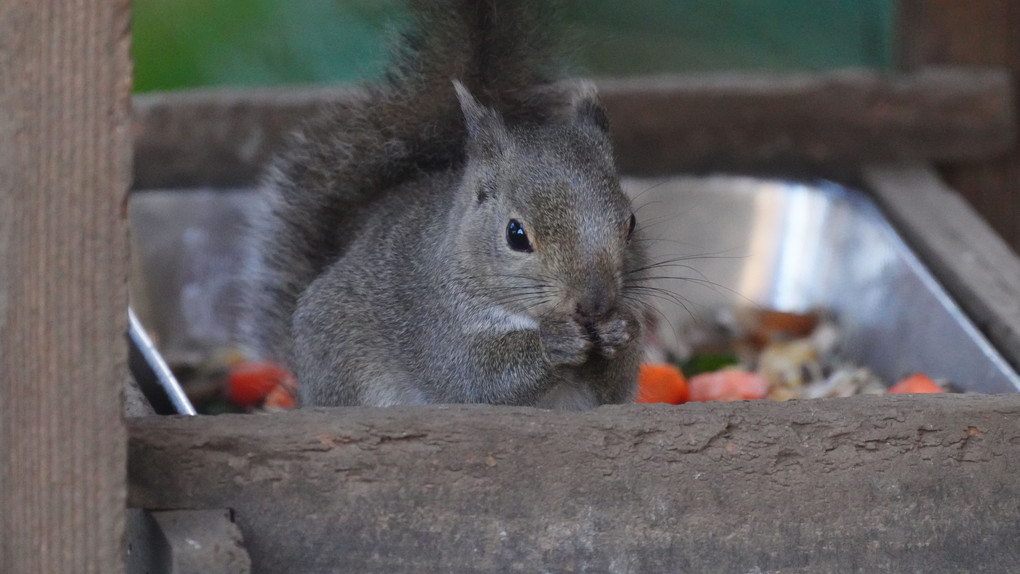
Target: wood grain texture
[661, 125]
[65, 167]
[867, 484]
[974, 263]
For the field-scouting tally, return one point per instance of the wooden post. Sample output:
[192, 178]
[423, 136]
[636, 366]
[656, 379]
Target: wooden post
[65, 82]
[976, 33]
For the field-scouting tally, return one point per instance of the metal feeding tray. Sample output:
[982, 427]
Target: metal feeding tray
[796, 247]
[745, 241]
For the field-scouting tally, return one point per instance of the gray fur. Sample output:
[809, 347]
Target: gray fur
[380, 271]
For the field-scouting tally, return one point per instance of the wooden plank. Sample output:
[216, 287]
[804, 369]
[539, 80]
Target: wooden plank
[661, 125]
[216, 138]
[64, 172]
[974, 264]
[866, 484]
[974, 33]
[799, 122]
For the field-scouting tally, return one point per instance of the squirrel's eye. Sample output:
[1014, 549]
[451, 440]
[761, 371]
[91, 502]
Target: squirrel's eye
[516, 238]
[631, 225]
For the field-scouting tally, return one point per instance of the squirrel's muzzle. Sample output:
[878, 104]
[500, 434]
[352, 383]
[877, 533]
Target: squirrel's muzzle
[596, 302]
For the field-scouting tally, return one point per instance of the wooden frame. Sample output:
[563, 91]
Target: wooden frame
[902, 483]
[65, 150]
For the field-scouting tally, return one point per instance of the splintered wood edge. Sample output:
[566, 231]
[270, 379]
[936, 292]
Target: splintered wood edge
[661, 125]
[877, 483]
[965, 255]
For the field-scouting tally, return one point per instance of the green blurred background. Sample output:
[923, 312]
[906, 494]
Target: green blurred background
[191, 43]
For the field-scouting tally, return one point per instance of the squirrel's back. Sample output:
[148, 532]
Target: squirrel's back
[389, 132]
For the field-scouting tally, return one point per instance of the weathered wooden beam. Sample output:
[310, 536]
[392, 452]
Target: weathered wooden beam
[65, 168]
[662, 125]
[800, 121]
[974, 263]
[867, 484]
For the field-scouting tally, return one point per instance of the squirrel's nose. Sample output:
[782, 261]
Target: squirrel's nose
[594, 303]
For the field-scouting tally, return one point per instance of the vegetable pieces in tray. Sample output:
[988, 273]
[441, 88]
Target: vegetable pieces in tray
[743, 354]
[760, 353]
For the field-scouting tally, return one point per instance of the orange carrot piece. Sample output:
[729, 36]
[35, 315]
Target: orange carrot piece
[662, 383]
[916, 383]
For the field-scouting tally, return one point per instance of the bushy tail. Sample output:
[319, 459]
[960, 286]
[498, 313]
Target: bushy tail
[405, 124]
[499, 50]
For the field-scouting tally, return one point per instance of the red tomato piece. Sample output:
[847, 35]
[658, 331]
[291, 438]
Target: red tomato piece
[249, 383]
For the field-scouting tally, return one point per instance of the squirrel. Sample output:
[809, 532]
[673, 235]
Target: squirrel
[454, 233]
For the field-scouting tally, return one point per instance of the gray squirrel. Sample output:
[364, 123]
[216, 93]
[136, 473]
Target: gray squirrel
[454, 233]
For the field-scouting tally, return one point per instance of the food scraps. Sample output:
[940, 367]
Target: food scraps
[762, 353]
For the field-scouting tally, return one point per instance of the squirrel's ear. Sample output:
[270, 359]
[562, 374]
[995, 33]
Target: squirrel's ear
[474, 113]
[486, 132]
[588, 106]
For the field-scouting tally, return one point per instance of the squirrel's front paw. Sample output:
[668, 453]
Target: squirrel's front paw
[609, 336]
[565, 342]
